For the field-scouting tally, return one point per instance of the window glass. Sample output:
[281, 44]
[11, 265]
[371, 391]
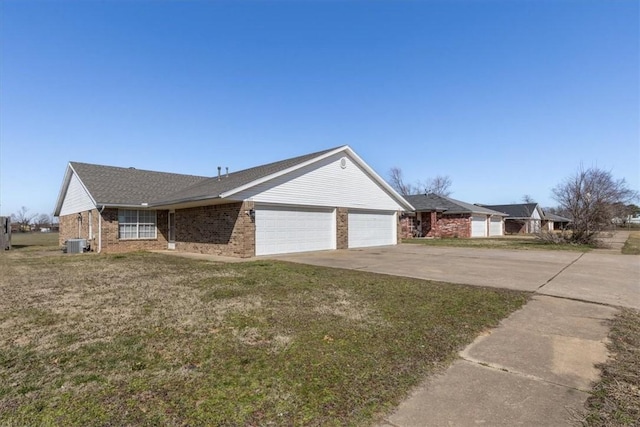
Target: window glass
[134, 224]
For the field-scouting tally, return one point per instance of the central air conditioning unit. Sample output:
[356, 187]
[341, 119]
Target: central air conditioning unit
[76, 246]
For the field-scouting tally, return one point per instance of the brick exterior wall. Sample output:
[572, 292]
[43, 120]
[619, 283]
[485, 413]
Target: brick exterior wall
[76, 226]
[225, 230]
[452, 226]
[110, 236]
[406, 225]
[458, 225]
[342, 228]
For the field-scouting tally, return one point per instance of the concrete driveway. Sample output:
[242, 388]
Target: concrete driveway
[600, 277]
[537, 367]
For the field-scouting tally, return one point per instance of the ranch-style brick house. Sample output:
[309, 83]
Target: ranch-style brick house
[440, 216]
[326, 200]
[522, 218]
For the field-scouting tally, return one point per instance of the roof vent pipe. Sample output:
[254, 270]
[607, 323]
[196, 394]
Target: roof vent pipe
[227, 171]
[219, 170]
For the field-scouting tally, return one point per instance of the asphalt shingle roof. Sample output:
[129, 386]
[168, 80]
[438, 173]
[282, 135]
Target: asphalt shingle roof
[518, 210]
[556, 218]
[213, 187]
[112, 185]
[433, 202]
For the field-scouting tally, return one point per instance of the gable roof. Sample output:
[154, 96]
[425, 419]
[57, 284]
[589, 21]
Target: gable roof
[555, 218]
[123, 187]
[111, 185]
[433, 202]
[217, 187]
[517, 210]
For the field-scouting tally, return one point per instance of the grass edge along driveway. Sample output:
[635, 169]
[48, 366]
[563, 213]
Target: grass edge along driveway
[142, 339]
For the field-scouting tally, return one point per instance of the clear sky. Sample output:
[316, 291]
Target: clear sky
[506, 97]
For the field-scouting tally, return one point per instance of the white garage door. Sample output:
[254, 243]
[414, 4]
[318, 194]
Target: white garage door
[495, 227]
[281, 230]
[478, 226]
[372, 229]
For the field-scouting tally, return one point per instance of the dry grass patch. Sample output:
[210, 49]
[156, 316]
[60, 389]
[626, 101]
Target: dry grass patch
[616, 397]
[505, 242]
[632, 245]
[149, 339]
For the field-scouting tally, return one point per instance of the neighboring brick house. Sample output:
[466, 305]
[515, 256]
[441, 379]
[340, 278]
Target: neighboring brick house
[326, 200]
[439, 216]
[522, 218]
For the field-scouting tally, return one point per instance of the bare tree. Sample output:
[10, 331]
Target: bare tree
[41, 221]
[527, 199]
[439, 185]
[23, 218]
[589, 197]
[396, 180]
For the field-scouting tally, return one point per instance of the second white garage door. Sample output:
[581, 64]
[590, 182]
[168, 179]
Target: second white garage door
[478, 226]
[495, 227]
[281, 230]
[372, 228]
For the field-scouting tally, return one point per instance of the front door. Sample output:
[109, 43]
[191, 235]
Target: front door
[172, 230]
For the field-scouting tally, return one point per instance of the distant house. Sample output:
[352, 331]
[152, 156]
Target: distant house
[522, 218]
[553, 222]
[325, 200]
[16, 227]
[439, 216]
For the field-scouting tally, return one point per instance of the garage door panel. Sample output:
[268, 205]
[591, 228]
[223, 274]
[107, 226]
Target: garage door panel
[478, 226]
[372, 229]
[288, 229]
[495, 227]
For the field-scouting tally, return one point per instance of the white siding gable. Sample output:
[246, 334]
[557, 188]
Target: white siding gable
[76, 198]
[535, 214]
[324, 183]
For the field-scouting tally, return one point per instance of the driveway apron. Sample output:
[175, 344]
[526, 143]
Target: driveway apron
[519, 270]
[536, 368]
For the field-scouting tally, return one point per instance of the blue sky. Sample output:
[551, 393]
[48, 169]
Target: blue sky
[506, 97]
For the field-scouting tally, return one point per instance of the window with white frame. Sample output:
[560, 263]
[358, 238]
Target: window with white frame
[134, 224]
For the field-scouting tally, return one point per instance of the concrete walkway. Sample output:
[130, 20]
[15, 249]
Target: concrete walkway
[537, 367]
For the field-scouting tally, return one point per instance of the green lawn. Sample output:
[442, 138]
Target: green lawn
[149, 339]
[506, 242]
[34, 241]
